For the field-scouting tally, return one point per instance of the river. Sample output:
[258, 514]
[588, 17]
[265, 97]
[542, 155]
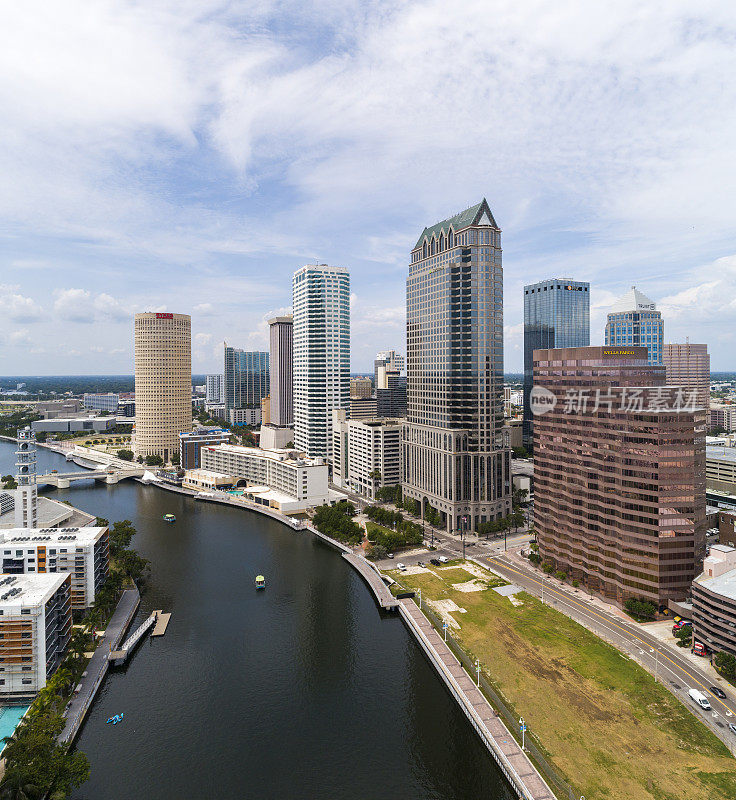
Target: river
[304, 690]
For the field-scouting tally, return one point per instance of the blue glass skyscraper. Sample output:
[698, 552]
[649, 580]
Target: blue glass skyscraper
[634, 320]
[246, 378]
[556, 314]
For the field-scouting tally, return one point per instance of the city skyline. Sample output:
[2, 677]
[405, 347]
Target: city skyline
[200, 175]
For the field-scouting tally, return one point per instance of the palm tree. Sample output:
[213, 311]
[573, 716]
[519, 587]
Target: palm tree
[17, 787]
[375, 476]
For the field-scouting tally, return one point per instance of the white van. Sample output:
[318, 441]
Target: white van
[443, 559]
[700, 699]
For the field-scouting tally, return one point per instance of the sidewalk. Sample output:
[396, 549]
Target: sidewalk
[98, 664]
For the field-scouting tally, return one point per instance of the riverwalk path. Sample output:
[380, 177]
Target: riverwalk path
[512, 760]
[98, 664]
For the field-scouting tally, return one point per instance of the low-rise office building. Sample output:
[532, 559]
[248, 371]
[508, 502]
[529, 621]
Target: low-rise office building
[366, 453]
[206, 480]
[722, 417]
[77, 424]
[83, 552]
[714, 601]
[102, 402]
[35, 628]
[296, 481]
[363, 407]
[246, 416]
[190, 444]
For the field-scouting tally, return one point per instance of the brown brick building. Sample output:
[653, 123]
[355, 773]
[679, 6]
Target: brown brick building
[619, 470]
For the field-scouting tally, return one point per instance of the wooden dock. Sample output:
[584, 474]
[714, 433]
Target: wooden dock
[162, 621]
[374, 580]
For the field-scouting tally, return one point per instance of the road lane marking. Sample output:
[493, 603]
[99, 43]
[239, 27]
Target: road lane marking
[626, 631]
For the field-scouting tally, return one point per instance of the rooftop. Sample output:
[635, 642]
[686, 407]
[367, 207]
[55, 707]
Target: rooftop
[633, 300]
[718, 453]
[50, 512]
[724, 585]
[479, 214]
[284, 454]
[79, 536]
[28, 589]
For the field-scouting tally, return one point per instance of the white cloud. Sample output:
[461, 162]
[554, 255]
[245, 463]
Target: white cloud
[20, 308]
[20, 338]
[80, 305]
[204, 309]
[202, 339]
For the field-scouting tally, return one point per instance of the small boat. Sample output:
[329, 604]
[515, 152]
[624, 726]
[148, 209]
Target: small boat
[260, 582]
[117, 718]
[169, 518]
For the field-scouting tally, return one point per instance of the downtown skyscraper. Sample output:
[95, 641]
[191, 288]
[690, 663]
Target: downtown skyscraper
[321, 363]
[634, 320]
[453, 458]
[246, 378]
[556, 314]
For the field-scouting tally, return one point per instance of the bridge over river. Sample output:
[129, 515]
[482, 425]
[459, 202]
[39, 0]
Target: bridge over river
[62, 480]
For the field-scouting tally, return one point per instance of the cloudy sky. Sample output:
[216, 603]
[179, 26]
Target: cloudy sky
[189, 155]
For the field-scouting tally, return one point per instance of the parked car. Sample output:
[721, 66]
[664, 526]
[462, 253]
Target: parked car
[700, 649]
[389, 555]
[732, 727]
[401, 566]
[421, 564]
[718, 692]
[435, 561]
[443, 559]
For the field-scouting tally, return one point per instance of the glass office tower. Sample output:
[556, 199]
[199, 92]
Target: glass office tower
[556, 314]
[246, 378]
[453, 454]
[634, 320]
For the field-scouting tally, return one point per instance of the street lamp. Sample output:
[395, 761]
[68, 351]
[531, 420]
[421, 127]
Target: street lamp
[444, 628]
[420, 599]
[477, 673]
[522, 729]
[656, 662]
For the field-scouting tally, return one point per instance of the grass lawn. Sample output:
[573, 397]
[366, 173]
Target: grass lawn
[610, 730]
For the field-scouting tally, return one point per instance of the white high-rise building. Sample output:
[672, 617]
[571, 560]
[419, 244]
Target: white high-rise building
[26, 495]
[386, 362]
[214, 389]
[321, 361]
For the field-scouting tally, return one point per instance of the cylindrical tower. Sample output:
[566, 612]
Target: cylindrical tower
[26, 495]
[163, 383]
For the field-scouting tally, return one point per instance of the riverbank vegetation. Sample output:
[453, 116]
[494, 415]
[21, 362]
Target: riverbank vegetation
[36, 764]
[337, 522]
[608, 728]
[388, 532]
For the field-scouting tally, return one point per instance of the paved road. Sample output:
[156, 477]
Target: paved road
[675, 671]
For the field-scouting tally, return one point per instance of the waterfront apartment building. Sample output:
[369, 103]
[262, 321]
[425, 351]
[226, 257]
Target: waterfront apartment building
[283, 479]
[714, 601]
[634, 320]
[191, 444]
[321, 304]
[361, 387]
[556, 314]
[619, 474]
[163, 383]
[35, 629]
[366, 453]
[688, 365]
[83, 552]
[214, 390]
[387, 361]
[246, 378]
[453, 457]
[108, 401]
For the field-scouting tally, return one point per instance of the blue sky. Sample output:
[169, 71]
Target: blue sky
[189, 156]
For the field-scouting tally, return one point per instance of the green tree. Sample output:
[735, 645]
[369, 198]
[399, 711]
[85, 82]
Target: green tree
[125, 455]
[18, 786]
[176, 459]
[9, 482]
[154, 461]
[726, 664]
[376, 552]
[561, 576]
[640, 609]
[520, 452]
